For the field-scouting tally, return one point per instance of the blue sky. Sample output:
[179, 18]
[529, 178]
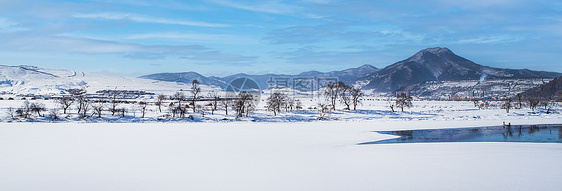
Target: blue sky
[222, 37]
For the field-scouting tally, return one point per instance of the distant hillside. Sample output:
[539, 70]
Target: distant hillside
[469, 89]
[550, 90]
[438, 64]
[30, 80]
[348, 76]
[187, 78]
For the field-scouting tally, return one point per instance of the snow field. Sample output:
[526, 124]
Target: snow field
[263, 156]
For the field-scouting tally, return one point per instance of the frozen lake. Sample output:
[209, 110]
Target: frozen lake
[517, 133]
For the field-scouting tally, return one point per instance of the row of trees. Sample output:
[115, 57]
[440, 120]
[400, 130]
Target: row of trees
[176, 105]
[402, 100]
[332, 93]
[348, 95]
[279, 101]
[513, 103]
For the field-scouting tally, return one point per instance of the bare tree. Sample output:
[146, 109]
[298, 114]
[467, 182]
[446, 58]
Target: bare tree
[332, 92]
[142, 107]
[276, 101]
[214, 95]
[97, 109]
[85, 106]
[179, 108]
[391, 104]
[179, 97]
[54, 114]
[298, 105]
[65, 103]
[12, 113]
[201, 109]
[114, 103]
[507, 104]
[290, 106]
[25, 110]
[225, 104]
[38, 108]
[324, 111]
[250, 106]
[195, 90]
[243, 104]
[121, 111]
[403, 100]
[533, 103]
[480, 104]
[519, 96]
[79, 95]
[171, 109]
[345, 96]
[544, 103]
[356, 95]
[159, 101]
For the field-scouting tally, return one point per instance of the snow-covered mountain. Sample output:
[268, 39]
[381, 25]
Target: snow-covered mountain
[187, 78]
[24, 80]
[438, 64]
[348, 76]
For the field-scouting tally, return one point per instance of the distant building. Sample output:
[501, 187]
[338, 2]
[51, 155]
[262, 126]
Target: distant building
[402, 93]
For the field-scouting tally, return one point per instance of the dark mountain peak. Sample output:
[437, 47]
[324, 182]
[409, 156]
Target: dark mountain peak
[438, 64]
[310, 73]
[367, 67]
[437, 50]
[432, 55]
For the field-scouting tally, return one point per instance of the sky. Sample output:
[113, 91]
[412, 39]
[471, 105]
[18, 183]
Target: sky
[224, 37]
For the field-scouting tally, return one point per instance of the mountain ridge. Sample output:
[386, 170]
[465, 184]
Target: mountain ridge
[440, 64]
[430, 64]
[347, 76]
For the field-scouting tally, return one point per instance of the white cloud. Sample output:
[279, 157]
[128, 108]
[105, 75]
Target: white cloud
[480, 3]
[198, 37]
[72, 44]
[8, 26]
[167, 4]
[66, 44]
[146, 19]
[319, 1]
[490, 40]
[275, 7]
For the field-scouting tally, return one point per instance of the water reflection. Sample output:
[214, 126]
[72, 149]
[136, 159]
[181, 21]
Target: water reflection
[519, 133]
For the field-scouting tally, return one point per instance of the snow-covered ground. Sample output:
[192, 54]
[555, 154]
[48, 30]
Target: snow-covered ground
[265, 156]
[290, 151]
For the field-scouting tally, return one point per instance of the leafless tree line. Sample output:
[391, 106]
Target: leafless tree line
[348, 95]
[514, 103]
